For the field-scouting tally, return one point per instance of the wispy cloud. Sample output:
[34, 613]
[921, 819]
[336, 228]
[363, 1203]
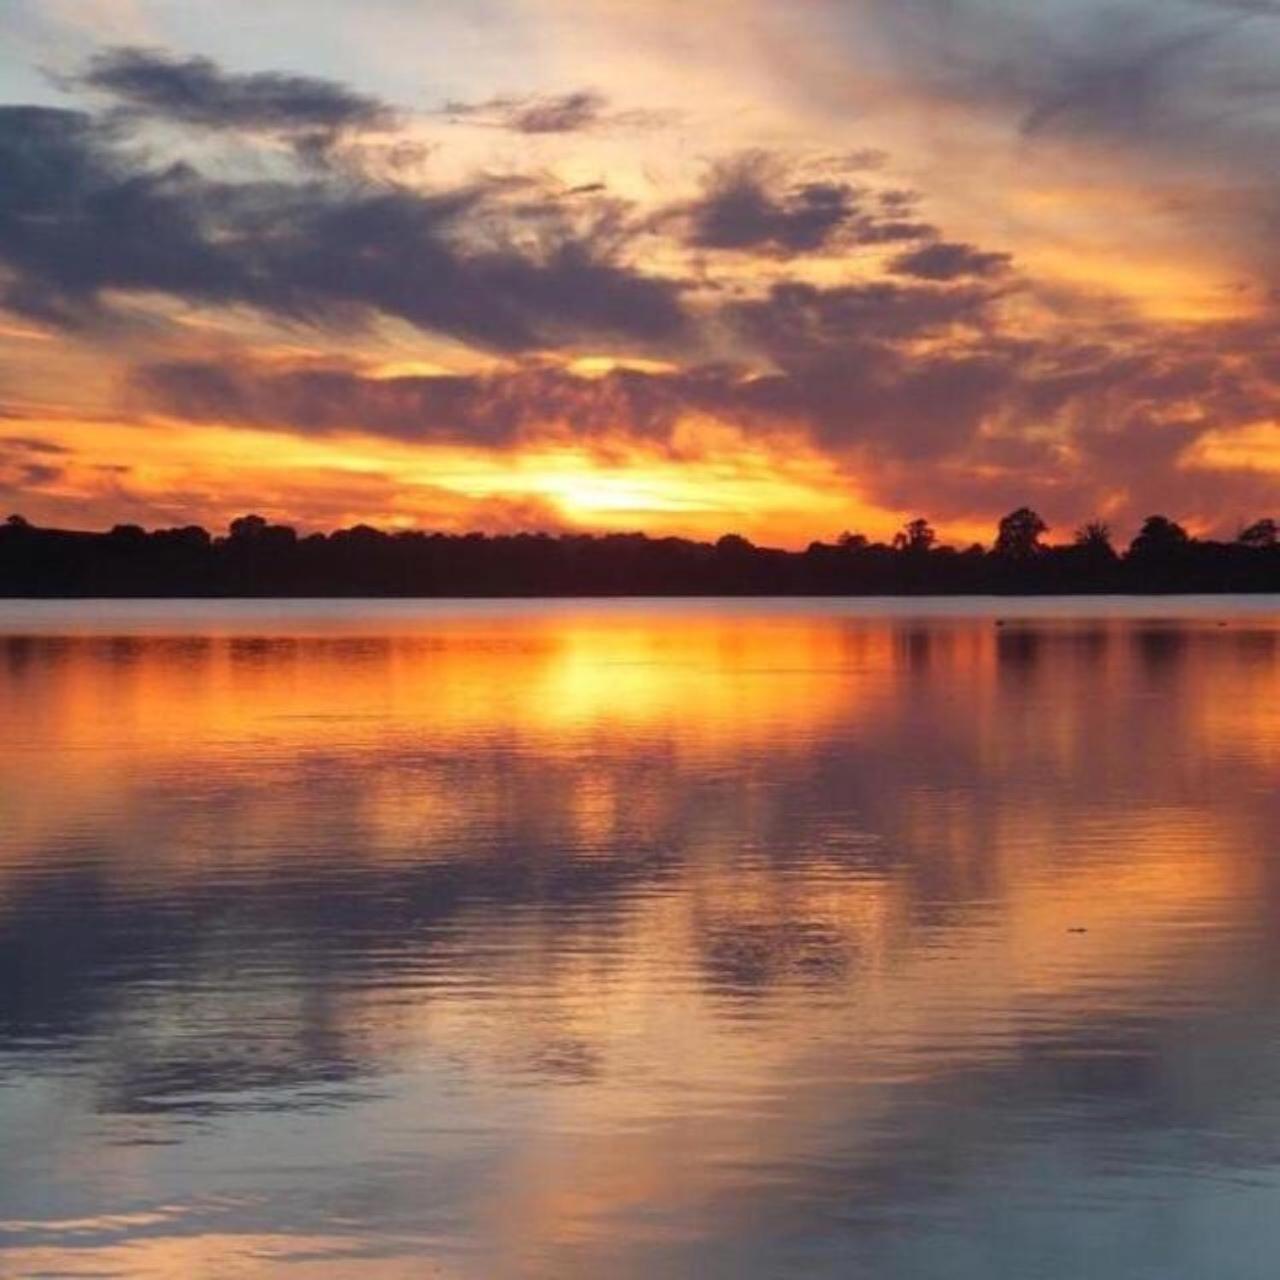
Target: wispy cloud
[196, 91]
[577, 111]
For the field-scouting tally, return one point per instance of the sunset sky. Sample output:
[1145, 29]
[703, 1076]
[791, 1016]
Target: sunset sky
[780, 269]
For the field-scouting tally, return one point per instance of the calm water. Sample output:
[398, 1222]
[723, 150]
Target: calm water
[640, 939]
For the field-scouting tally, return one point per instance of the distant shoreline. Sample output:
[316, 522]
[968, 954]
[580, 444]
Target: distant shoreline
[259, 560]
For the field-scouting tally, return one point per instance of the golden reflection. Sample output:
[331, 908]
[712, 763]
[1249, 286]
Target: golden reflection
[773, 876]
[572, 684]
[205, 1257]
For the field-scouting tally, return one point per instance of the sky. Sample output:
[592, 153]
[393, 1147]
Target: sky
[780, 270]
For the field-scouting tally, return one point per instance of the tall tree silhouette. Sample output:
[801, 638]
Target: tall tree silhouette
[915, 536]
[1018, 537]
[1261, 533]
[1159, 538]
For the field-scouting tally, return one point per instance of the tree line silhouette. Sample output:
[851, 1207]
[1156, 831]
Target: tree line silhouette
[258, 558]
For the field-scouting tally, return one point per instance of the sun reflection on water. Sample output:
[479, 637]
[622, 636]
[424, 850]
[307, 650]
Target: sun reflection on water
[583, 940]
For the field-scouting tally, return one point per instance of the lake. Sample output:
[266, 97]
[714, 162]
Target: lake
[651, 938]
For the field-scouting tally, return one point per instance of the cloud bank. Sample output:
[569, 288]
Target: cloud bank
[779, 295]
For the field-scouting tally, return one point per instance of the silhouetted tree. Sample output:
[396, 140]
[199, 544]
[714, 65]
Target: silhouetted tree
[1018, 537]
[1096, 536]
[255, 531]
[247, 528]
[1159, 537]
[262, 559]
[1091, 551]
[191, 536]
[916, 535]
[1261, 533]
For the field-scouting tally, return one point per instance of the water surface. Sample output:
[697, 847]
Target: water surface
[638, 939]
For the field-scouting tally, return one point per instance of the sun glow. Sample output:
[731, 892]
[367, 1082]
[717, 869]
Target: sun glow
[709, 483]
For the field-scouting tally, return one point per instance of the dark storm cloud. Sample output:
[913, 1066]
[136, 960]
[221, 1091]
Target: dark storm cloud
[196, 91]
[79, 217]
[796, 320]
[491, 410]
[947, 260]
[842, 371]
[416, 257]
[750, 202]
[871, 397]
[73, 222]
[878, 401]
